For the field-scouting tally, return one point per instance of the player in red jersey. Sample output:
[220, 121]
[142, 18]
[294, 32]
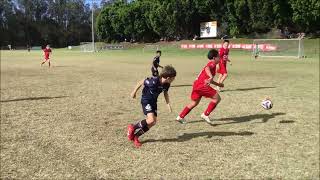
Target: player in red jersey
[47, 51]
[223, 53]
[201, 87]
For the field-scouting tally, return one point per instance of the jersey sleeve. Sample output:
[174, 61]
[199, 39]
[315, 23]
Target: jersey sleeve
[150, 82]
[211, 65]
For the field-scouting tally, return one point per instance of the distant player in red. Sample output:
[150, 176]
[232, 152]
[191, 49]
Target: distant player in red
[47, 51]
[201, 87]
[224, 58]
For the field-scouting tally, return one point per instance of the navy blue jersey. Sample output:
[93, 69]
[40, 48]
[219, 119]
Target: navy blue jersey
[156, 61]
[152, 89]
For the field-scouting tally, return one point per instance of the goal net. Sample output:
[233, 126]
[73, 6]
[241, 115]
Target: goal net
[86, 47]
[150, 48]
[290, 48]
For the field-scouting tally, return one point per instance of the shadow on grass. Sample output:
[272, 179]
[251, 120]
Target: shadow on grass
[241, 119]
[182, 85]
[241, 89]
[249, 89]
[189, 136]
[286, 121]
[32, 98]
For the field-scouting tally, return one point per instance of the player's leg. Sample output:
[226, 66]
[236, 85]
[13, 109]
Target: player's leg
[44, 61]
[219, 80]
[195, 99]
[144, 126]
[223, 73]
[49, 63]
[224, 77]
[215, 99]
[141, 127]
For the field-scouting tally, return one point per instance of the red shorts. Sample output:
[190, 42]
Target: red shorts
[46, 58]
[222, 68]
[199, 91]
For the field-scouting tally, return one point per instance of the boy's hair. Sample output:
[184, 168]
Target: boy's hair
[226, 40]
[168, 71]
[212, 54]
[158, 52]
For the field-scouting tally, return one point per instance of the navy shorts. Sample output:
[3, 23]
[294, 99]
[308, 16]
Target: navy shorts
[155, 72]
[148, 107]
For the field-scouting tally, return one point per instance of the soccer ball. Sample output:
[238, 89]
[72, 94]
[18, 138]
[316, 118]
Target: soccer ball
[267, 104]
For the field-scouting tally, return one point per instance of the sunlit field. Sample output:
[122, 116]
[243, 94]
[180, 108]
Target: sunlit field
[70, 121]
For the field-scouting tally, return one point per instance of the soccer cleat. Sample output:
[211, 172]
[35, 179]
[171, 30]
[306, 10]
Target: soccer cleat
[181, 120]
[136, 141]
[130, 132]
[206, 118]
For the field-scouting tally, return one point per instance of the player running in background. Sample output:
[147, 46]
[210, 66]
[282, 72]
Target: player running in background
[153, 86]
[224, 58]
[201, 87]
[47, 51]
[156, 64]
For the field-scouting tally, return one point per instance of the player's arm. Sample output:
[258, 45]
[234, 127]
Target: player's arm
[207, 81]
[134, 92]
[217, 84]
[229, 61]
[210, 79]
[160, 66]
[166, 97]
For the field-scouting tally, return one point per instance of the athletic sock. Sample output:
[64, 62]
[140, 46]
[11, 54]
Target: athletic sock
[185, 111]
[141, 128]
[211, 107]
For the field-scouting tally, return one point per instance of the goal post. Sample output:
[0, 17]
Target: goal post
[287, 48]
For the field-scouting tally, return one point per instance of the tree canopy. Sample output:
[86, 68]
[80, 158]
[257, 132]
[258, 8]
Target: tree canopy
[68, 22]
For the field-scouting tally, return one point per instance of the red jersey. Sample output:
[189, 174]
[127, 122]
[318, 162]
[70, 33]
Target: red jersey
[47, 52]
[223, 53]
[200, 81]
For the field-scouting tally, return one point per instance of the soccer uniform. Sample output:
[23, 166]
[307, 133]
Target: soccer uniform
[200, 88]
[154, 68]
[46, 53]
[223, 53]
[152, 89]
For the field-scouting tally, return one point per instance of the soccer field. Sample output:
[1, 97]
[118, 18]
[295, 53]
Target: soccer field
[69, 122]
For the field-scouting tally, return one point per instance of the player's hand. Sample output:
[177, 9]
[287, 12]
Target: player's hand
[133, 95]
[230, 64]
[169, 107]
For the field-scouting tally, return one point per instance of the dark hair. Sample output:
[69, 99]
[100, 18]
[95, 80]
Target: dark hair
[226, 41]
[168, 71]
[212, 54]
[158, 52]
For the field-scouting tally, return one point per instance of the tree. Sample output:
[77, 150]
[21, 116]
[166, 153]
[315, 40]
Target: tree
[306, 14]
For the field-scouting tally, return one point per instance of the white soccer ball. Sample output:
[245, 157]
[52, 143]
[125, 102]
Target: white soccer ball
[267, 104]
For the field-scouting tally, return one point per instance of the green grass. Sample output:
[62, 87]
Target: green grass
[70, 121]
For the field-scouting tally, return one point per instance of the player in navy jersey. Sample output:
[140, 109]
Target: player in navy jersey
[156, 64]
[153, 86]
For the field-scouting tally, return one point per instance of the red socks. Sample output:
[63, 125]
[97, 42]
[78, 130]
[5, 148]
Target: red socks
[185, 111]
[211, 107]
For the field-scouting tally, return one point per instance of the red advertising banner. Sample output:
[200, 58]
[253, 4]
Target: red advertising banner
[262, 47]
